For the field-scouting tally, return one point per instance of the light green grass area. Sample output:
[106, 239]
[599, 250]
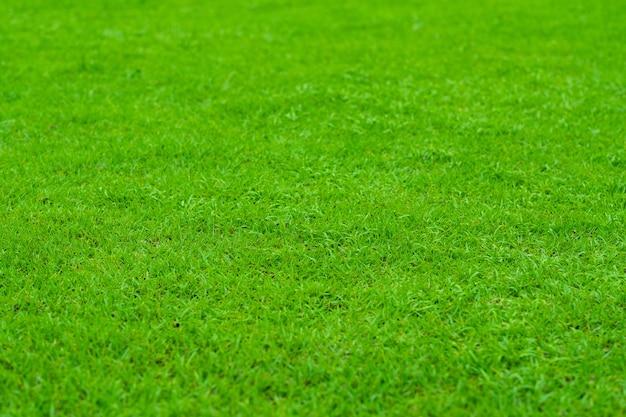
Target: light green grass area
[325, 208]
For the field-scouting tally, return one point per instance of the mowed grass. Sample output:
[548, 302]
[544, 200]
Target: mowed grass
[286, 207]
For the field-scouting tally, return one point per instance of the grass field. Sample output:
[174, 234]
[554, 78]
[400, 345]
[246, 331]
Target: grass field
[289, 207]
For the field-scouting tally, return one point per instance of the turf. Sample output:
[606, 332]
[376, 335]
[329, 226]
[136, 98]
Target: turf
[289, 207]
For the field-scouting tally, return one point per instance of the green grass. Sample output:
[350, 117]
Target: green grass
[289, 207]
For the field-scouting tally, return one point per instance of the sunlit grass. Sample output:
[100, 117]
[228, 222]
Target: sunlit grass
[312, 208]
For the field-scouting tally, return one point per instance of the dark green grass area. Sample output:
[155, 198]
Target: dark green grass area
[285, 207]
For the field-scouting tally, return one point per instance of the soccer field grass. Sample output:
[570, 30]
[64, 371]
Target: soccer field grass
[289, 207]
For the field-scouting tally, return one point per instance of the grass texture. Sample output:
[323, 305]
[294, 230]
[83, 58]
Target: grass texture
[289, 207]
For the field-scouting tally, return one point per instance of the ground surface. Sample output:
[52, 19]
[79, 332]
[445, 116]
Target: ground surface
[312, 207]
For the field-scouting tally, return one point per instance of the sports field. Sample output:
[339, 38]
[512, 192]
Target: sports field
[312, 208]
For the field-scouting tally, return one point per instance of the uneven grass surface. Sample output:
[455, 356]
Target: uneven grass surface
[289, 207]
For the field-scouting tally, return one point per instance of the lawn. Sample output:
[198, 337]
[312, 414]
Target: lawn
[316, 208]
